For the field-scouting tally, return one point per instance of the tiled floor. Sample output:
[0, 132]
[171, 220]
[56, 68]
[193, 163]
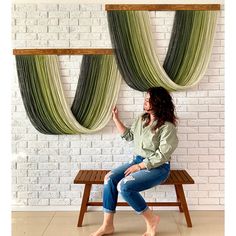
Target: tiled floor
[205, 223]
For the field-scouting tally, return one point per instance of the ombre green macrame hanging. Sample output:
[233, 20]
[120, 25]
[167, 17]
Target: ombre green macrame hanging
[97, 91]
[44, 99]
[187, 57]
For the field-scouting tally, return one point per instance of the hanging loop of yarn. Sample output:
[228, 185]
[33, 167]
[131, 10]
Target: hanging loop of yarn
[44, 98]
[188, 53]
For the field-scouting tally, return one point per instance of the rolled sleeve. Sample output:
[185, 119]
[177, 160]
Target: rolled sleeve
[128, 135]
[147, 164]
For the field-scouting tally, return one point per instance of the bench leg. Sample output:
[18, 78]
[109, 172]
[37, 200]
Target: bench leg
[178, 199]
[83, 207]
[184, 204]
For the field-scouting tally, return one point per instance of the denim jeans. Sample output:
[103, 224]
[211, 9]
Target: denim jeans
[130, 186]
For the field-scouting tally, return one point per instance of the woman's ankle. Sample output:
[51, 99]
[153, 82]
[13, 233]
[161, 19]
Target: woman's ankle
[108, 220]
[108, 225]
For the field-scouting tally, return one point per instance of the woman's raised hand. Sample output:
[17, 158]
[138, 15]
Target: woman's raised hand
[119, 125]
[115, 113]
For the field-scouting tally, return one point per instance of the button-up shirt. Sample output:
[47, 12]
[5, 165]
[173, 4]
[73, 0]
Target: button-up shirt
[156, 147]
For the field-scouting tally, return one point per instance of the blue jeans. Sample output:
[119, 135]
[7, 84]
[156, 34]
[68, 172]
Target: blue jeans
[130, 186]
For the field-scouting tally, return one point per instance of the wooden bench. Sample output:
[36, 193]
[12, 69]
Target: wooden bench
[176, 178]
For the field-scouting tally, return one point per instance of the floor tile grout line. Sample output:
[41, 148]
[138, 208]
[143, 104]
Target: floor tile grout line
[49, 223]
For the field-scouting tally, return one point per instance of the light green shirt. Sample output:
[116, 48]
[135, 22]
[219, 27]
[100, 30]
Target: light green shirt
[155, 147]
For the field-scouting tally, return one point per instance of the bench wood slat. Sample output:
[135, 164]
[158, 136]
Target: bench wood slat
[78, 176]
[88, 176]
[191, 181]
[169, 179]
[99, 176]
[83, 175]
[93, 176]
[177, 178]
[184, 177]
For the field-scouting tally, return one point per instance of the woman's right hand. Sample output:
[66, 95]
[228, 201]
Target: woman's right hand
[115, 113]
[119, 125]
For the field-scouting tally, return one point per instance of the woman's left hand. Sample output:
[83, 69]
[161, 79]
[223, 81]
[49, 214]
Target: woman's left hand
[132, 169]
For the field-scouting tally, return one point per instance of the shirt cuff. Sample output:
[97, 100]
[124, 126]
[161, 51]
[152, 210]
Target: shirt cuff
[147, 164]
[125, 133]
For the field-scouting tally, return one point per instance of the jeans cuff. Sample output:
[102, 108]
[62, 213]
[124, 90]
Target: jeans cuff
[108, 210]
[140, 212]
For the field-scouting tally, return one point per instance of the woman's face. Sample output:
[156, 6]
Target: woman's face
[147, 105]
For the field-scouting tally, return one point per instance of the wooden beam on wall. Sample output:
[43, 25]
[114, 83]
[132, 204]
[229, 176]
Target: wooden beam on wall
[64, 51]
[161, 7]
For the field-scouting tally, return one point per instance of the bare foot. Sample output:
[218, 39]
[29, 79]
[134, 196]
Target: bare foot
[103, 230]
[152, 226]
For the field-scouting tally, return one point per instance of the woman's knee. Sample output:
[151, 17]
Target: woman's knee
[111, 176]
[124, 185]
[107, 177]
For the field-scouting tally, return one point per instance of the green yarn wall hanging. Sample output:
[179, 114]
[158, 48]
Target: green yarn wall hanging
[188, 53]
[44, 99]
[98, 86]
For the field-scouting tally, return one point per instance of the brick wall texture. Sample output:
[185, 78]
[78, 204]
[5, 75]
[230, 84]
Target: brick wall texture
[44, 166]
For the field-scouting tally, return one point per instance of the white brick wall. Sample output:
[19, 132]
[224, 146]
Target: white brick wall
[43, 166]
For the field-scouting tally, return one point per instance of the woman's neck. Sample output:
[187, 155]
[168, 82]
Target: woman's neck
[152, 118]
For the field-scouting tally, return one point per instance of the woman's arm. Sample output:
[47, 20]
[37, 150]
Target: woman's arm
[126, 133]
[119, 125]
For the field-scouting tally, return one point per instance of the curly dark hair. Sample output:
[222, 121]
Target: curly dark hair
[162, 105]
